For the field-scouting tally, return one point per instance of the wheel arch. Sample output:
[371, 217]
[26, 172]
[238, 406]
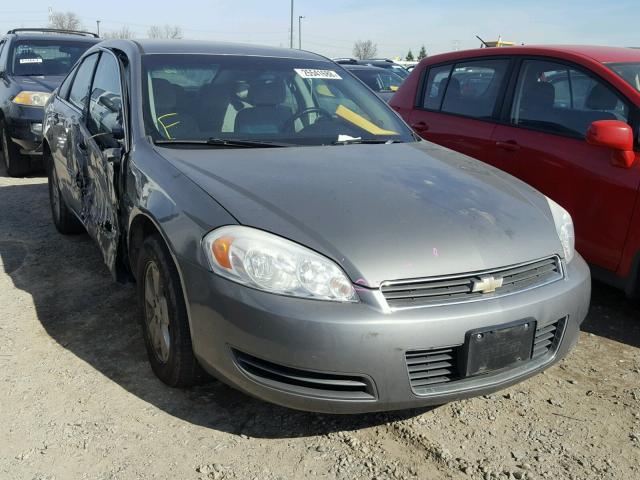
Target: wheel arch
[142, 225]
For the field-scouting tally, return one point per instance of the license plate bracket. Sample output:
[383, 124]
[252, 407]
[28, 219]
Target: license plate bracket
[494, 348]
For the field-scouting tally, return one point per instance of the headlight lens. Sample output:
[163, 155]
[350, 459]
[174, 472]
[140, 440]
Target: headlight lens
[267, 262]
[564, 227]
[33, 99]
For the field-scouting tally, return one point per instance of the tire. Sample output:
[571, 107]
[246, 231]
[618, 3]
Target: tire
[163, 316]
[63, 219]
[18, 165]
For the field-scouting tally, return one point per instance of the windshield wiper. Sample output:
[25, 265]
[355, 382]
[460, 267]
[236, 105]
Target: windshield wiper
[222, 142]
[370, 141]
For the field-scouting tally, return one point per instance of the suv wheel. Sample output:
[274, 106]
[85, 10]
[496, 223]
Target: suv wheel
[63, 219]
[163, 315]
[17, 164]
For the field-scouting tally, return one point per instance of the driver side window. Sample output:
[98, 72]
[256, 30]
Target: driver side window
[105, 102]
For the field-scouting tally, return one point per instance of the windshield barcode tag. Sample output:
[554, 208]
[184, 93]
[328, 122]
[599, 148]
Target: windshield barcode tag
[320, 74]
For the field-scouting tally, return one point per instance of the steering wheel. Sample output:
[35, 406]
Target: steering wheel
[288, 124]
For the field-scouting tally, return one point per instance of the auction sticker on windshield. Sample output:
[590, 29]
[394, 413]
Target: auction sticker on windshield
[317, 74]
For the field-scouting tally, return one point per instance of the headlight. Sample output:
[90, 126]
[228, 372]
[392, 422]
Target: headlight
[267, 262]
[33, 99]
[564, 227]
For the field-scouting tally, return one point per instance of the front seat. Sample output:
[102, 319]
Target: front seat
[268, 115]
[538, 99]
[171, 121]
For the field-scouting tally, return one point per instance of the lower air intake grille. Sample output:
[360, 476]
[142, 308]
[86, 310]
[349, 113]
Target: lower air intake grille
[428, 368]
[473, 286]
[547, 338]
[305, 382]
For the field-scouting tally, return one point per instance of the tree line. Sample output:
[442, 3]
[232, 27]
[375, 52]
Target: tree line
[366, 49]
[71, 21]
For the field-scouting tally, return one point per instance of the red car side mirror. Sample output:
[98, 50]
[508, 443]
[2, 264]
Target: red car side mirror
[615, 135]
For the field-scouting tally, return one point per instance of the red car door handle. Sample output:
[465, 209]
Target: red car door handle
[420, 126]
[509, 145]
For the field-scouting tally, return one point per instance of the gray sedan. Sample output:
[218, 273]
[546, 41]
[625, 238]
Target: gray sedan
[291, 236]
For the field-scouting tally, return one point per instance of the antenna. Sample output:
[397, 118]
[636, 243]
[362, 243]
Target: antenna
[485, 44]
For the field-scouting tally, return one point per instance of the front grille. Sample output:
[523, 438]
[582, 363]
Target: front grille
[459, 288]
[547, 338]
[305, 382]
[437, 367]
[432, 367]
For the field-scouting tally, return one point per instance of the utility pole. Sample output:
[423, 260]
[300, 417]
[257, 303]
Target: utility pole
[291, 39]
[98, 24]
[300, 17]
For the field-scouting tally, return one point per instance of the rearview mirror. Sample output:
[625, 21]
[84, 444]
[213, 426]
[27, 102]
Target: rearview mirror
[615, 135]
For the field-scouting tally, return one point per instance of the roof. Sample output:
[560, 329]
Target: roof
[350, 66]
[220, 48]
[597, 53]
[52, 33]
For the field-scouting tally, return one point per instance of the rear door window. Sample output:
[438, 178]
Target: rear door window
[557, 98]
[435, 86]
[79, 93]
[474, 86]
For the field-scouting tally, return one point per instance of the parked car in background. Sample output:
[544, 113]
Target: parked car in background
[381, 80]
[292, 236]
[564, 119]
[33, 61]
[376, 62]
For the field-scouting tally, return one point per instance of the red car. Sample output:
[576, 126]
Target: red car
[564, 119]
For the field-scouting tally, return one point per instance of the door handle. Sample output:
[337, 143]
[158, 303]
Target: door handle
[509, 145]
[420, 126]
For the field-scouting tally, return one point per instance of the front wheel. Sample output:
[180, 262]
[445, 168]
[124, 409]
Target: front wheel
[163, 315]
[17, 164]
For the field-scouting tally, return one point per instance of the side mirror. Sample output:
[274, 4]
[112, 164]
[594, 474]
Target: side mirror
[615, 135]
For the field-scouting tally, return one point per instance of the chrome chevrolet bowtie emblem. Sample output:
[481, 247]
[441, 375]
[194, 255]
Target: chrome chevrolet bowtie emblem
[487, 284]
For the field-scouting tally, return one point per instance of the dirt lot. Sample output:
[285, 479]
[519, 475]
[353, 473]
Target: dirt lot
[78, 399]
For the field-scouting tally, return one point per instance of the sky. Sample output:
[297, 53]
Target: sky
[331, 27]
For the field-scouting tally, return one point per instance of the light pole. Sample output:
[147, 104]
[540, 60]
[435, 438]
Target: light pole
[291, 39]
[300, 17]
[98, 24]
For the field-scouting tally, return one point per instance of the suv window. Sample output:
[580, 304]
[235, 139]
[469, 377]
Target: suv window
[80, 89]
[105, 104]
[46, 57]
[559, 99]
[474, 86]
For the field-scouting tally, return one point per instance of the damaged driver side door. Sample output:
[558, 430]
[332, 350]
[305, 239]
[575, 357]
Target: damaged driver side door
[103, 147]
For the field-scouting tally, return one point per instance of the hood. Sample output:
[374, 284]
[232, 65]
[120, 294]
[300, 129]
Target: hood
[46, 83]
[382, 212]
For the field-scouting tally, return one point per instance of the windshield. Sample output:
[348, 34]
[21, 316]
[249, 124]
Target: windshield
[283, 100]
[379, 80]
[630, 72]
[46, 57]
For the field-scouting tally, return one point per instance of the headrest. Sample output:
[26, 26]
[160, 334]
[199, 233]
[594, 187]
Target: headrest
[164, 94]
[601, 98]
[539, 95]
[267, 93]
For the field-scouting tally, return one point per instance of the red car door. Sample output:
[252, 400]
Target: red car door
[543, 141]
[458, 104]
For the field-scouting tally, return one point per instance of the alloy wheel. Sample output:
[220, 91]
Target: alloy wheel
[156, 312]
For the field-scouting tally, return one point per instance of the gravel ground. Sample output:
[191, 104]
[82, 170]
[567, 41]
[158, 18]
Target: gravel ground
[78, 399]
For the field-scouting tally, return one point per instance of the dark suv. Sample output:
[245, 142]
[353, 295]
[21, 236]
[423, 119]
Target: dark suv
[33, 62]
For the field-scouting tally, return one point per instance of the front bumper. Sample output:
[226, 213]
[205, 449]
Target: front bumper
[24, 124]
[361, 342]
